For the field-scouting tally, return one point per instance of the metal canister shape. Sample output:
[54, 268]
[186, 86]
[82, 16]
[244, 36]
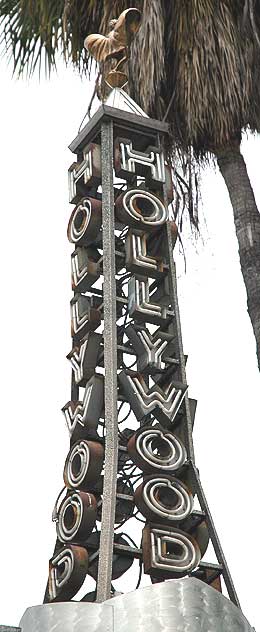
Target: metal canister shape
[168, 552]
[164, 498]
[85, 222]
[155, 450]
[67, 572]
[76, 517]
[141, 209]
[83, 464]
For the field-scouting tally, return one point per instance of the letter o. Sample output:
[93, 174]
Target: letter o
[85, 222]
[76, 517]
[141, 209]
[164, 498]
[83, 464]
[154, 450]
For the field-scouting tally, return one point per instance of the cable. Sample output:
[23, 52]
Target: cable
[127, 414]
[139, 519]
[140, 574]
[131, 365]
[130, 539]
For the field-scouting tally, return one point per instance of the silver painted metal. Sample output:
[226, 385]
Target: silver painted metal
[188, 605]
[68, 617]
[147, 254]
[110, 362]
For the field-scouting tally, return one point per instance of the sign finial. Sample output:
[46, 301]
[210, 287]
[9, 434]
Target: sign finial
[115, 45]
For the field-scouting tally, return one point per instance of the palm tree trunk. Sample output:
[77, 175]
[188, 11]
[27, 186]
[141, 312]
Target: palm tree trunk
[247, 223]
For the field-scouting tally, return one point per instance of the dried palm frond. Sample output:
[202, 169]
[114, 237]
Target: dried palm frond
[146, 78]
[195, 63]
[205, 73]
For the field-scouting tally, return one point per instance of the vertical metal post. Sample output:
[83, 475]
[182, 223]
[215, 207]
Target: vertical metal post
[110, 363]
[173, 291]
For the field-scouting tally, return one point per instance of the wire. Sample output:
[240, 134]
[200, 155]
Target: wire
[137, 518]
[120, 406]
[127, 414]
[55, 511]
[131, 365]
[129, 466]
[122, 523]
[130, 539]
[140, 574]
[123, 274]
[125, 229]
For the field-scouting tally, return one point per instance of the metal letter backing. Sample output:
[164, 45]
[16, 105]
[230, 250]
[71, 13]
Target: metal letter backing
[86, 174]
[129, 161]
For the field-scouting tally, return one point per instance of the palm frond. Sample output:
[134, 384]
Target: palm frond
[195, 63]
[147, 76]
[205, 73]
[31, 31]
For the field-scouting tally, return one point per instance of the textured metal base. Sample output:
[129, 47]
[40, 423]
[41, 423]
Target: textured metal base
[185, 605]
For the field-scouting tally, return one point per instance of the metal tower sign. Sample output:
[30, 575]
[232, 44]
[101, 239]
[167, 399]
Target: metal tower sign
[132, 490]
[129, 418]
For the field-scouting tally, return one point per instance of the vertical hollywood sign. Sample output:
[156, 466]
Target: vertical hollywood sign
[129, 418]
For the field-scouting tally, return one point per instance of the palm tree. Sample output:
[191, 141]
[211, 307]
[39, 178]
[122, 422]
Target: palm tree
[194, 63]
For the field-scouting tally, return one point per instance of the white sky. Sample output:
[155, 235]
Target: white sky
[37, 123]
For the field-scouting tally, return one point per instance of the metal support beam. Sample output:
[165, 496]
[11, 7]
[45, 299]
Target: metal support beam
[175, 307]
[215, 539]
[110, 356]
[189, 439]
